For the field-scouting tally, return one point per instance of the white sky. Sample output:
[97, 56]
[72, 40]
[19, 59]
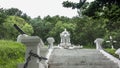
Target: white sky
[41, 8]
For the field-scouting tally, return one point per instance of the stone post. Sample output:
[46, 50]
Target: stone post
[98, 43]
[31, 43]
[50, 41]
[118, 52]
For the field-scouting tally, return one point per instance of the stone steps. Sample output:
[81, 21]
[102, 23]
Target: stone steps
[84, 63]
[84, 66]
[79, 58]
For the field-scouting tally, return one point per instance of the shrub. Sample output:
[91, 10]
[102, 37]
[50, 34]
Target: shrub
[112, 52]
[9, 32]
[11, 53]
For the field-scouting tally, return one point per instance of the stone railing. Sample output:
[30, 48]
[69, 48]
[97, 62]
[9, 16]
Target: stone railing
[112, 58]
[32, 54]
[98, 43]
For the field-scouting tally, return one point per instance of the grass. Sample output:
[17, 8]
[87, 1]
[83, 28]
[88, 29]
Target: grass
[112, 52]
[89, 46]
[11, 53]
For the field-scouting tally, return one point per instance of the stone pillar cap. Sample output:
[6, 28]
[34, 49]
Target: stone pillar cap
[99, 39]
[50, 39]
[31, 39]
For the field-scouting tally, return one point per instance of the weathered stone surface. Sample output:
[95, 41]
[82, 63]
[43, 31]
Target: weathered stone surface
[79, 58]
[32, 45]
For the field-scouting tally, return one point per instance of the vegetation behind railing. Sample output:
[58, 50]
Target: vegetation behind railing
[112, 52]
[11, 53]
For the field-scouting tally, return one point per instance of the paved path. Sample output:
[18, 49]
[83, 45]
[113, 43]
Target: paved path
[79, 58]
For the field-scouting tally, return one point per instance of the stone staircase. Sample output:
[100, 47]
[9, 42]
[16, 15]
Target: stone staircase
[79, 58]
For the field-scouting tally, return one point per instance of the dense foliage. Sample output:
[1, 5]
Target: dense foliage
[73, 5]
[10, 31]
[11, 54]
[105, 14]
[99, 19]
[9, 17]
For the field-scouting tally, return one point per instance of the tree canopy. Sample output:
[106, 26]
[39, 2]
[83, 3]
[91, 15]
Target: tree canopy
[100, 19]
[10, 32]
[11, 16]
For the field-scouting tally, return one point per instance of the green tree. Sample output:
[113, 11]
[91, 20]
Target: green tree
[103, 13]
[2, 20]
[41, 27]
[59, 27]
[3, 15]
[112, 14]
[13, 12]
[72, 5]
[26, 17]
[17, 12]
[88, 29]
[9, 32]
[99, 6]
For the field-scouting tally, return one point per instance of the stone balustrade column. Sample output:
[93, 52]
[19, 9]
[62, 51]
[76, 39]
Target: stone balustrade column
[31, 43]
[118, 52]
[98, 43]
[50, 41]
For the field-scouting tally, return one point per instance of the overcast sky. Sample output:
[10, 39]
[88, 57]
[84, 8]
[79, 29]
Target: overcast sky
[41, 8]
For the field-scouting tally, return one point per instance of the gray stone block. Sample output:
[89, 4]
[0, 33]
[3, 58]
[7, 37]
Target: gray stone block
[79, 58]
